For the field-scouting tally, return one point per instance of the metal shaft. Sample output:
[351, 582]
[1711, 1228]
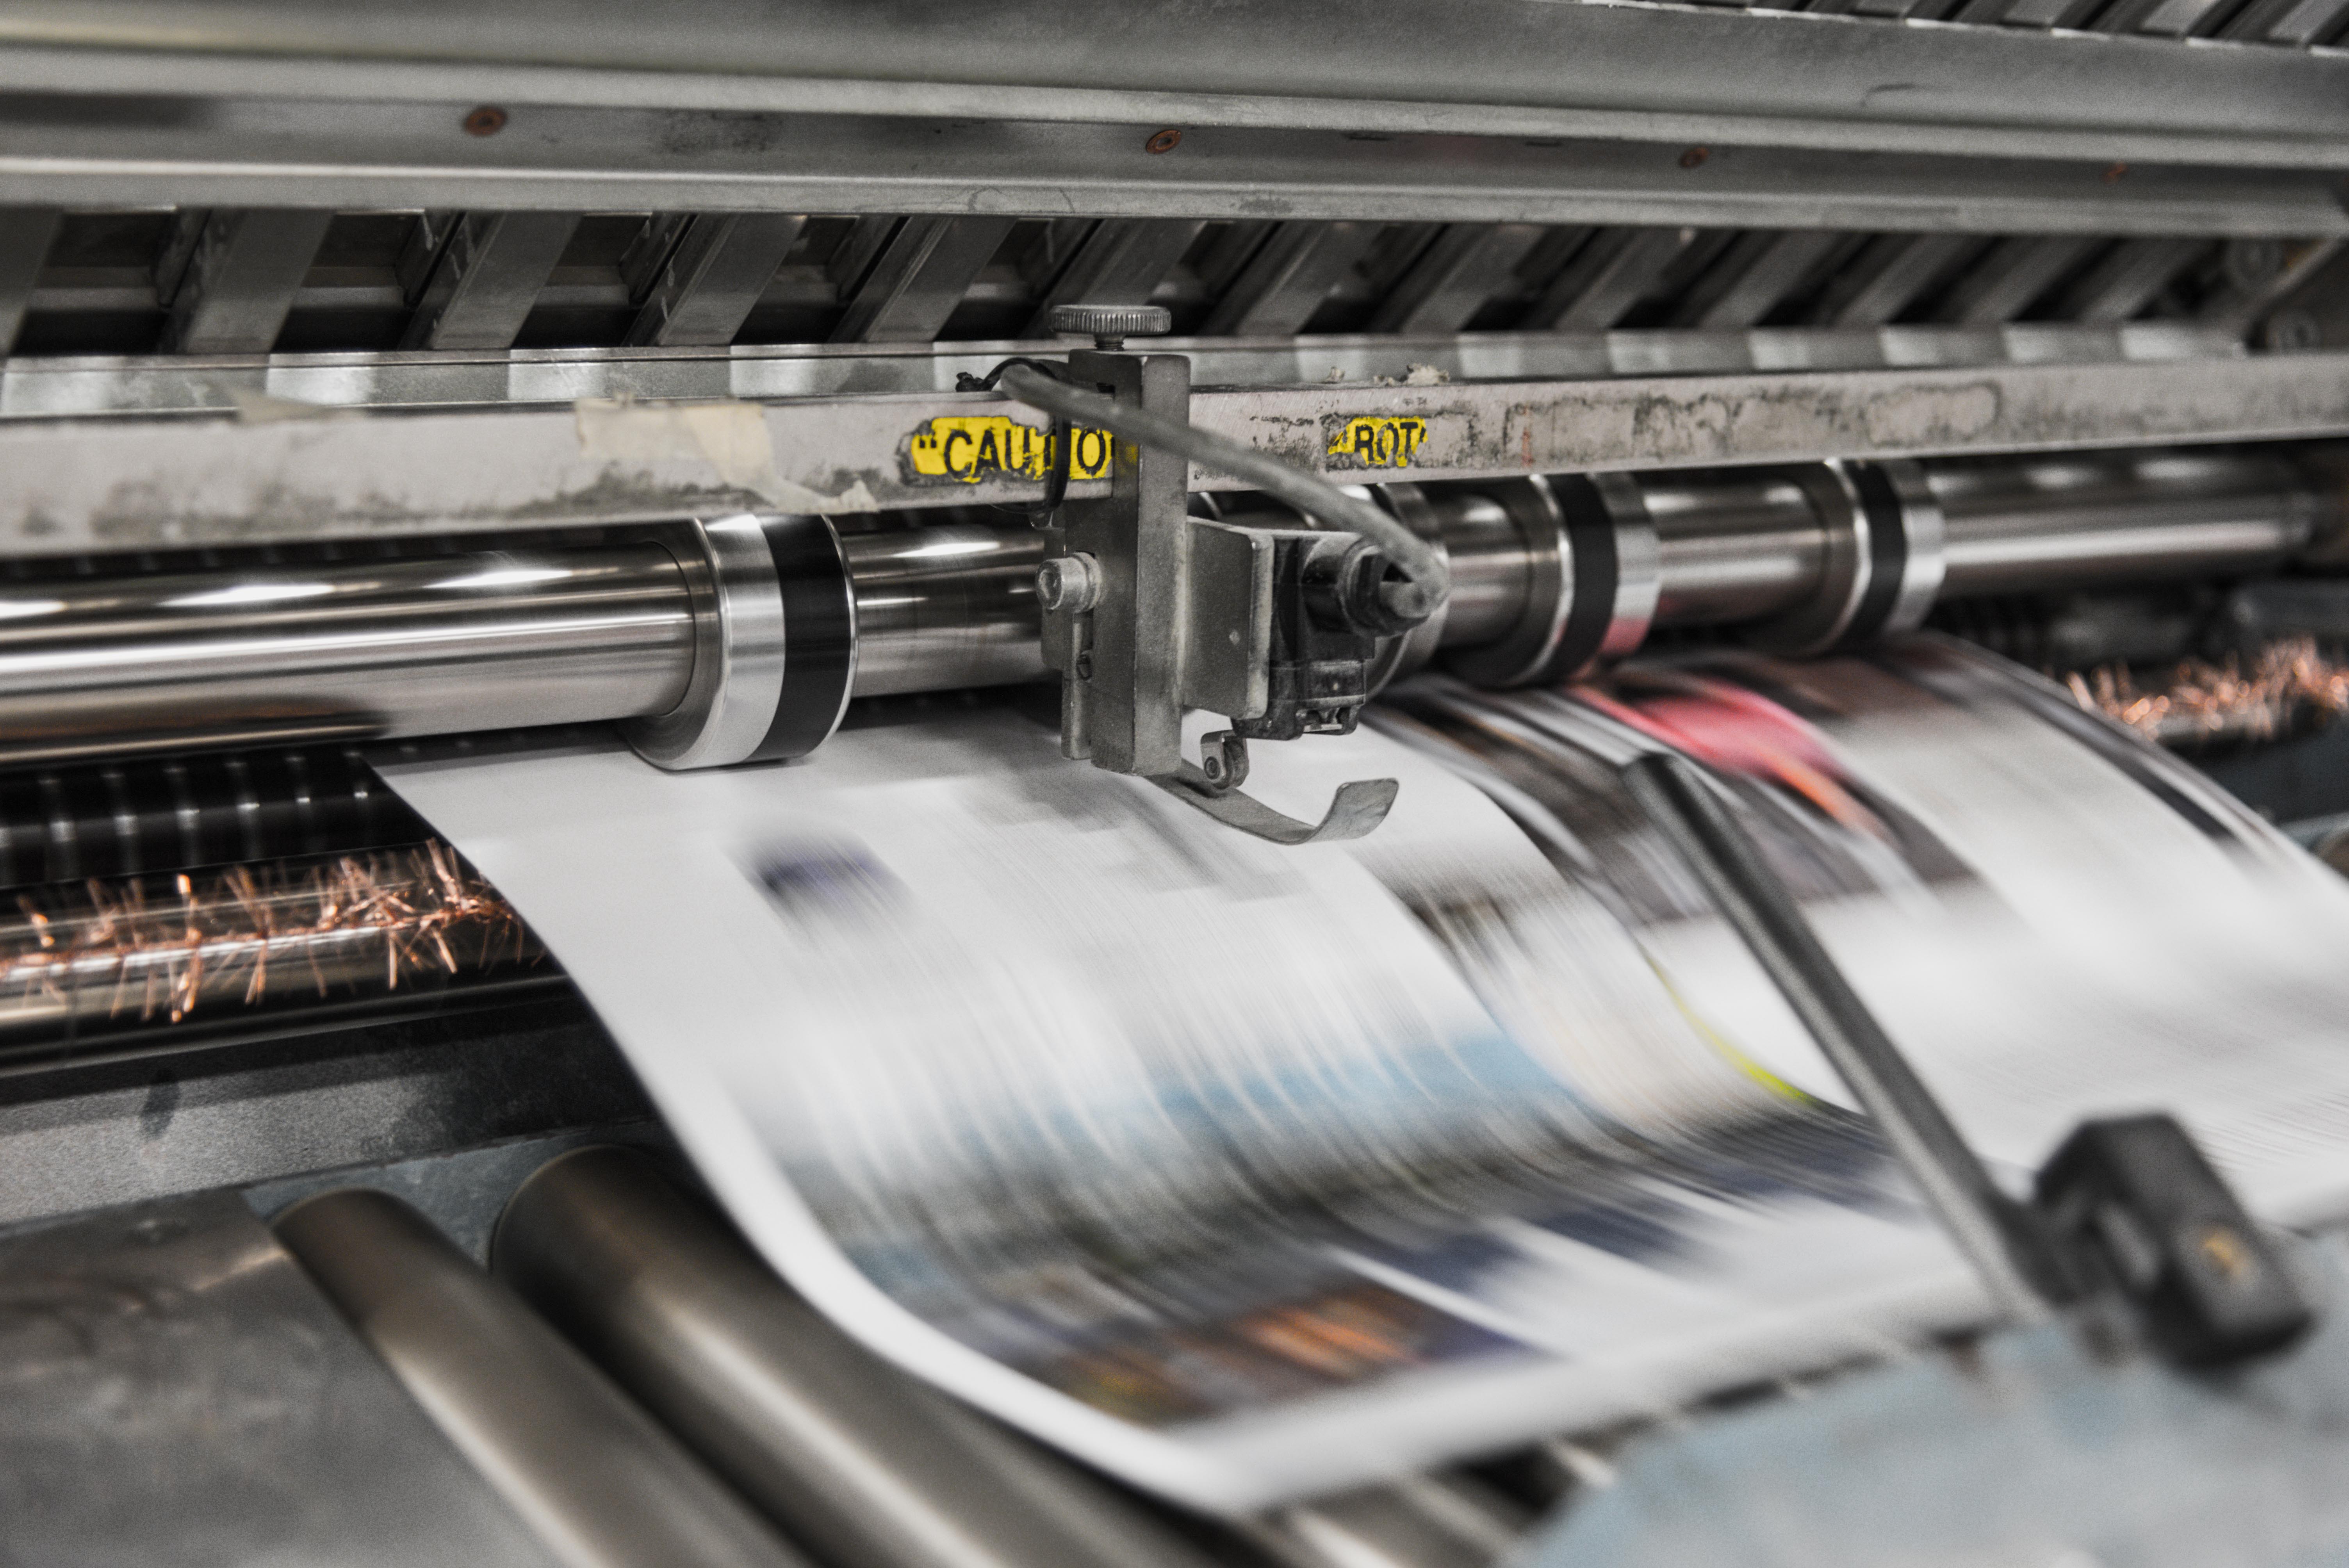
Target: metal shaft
[871, 1468]
[108, 666]
[944, 604]
[589, 1471]
[386, 648]
[2063, 523]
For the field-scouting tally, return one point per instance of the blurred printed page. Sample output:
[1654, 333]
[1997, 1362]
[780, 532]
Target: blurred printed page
[2051, 918]
[1241, 1171]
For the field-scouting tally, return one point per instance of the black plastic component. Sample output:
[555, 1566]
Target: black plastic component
[2135, 1195]
[1318, 671]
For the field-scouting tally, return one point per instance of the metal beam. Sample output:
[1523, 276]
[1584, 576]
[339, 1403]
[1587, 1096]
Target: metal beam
[25, 233]
[296, 384]
[241, 281]
[1467, 264]
[706, 287]
[1606, 277]
[921, 274]
[1752, 276]
[1122, 262]
[1888, 276]
[118, 485]
[2126, 280]
[1276, 293]
[491, 268]
[1493, 68]
[2000, 284]
[57, 149]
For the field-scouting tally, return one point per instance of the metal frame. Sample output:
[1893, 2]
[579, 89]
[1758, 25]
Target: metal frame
[1486, 67]
[295, 151]
[113, 485]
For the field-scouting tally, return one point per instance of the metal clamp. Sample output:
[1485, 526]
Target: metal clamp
[774, 650]
[1828, 616]
[1531, 644]
[1905, 530]
[1616, 577]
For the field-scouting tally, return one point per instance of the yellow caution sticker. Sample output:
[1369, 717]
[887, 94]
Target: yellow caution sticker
[964, 450]
[1377, 442]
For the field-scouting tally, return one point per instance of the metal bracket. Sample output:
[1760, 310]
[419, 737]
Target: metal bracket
[1149, 613]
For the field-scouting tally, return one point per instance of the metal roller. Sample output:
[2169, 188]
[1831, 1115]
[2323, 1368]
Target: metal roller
[742, 638]
[868, 1467]
[591, 1473]
[88, 962]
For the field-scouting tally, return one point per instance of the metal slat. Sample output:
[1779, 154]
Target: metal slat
[1122, 262]
[2040, 13]
[2293, 22]
[26, 236]
[1287, 278]
[1466, 265]
[1606, 277]
[710, 282]
[2127, 279]
[2158, 19]
[2013, 272]
[1752, 277]
[921, 274]
[1888, 276]
[241, 281]
[491, 268]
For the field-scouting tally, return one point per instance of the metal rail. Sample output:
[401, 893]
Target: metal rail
[1515, 68]
[81, 486]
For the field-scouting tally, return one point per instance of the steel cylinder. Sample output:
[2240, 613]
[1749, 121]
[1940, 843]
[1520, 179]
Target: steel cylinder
[868, 1467]
[420, 646]
[2051, 523]
[944, 603]
[593, 1475]
[1734, 545]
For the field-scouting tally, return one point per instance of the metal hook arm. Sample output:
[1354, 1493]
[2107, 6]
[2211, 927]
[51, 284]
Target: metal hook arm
[1354, 810]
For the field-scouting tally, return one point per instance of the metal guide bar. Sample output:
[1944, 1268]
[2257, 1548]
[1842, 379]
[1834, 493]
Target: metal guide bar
[263, 385]
[59, 150]
[111, 485]
[1511, 68]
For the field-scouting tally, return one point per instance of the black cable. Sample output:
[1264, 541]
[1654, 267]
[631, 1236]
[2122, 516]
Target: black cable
[1057, 437]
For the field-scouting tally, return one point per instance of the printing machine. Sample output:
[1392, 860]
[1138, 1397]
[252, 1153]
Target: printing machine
[436, 377]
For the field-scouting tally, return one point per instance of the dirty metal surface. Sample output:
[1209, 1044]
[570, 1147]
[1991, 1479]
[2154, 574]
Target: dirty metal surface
[98, 485]
[178, 1393]
[1487, 67]
[260, 384]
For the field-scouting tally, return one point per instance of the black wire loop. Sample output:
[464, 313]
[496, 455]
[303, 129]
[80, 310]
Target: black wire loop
[1056, 483]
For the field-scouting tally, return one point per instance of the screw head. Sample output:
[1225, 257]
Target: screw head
[487, 121]
[1109, 325]
[1165, 141]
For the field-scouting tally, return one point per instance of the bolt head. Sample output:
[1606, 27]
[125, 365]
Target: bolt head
[1068, 582]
